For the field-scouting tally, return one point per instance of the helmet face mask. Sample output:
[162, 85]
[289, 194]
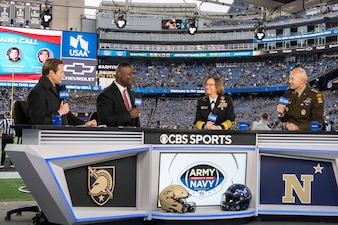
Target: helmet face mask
[173, 199]
[237, 197]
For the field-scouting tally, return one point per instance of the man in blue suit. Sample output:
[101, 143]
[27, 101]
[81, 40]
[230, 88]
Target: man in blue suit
[116, 103]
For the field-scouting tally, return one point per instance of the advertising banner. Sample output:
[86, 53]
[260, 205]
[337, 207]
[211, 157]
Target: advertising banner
[79, 55]
[24, 51]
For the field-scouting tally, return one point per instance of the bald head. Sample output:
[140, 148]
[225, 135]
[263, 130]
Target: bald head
[298, 79]
[300, 73]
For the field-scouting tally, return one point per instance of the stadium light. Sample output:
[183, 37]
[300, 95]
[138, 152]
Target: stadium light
[192, 28]
[120, 20]
[259, 31]
[46, 17]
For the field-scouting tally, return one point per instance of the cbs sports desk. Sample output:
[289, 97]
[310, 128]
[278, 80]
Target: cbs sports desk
[83, 175]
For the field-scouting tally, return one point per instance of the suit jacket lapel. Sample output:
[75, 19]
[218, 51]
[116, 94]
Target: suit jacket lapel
[118, 95]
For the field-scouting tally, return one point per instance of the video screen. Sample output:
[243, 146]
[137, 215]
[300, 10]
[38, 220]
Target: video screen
[206, 176]
[174, 24]
[24, 52]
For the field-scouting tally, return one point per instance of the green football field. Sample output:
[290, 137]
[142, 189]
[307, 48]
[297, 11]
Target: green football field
[9, 190]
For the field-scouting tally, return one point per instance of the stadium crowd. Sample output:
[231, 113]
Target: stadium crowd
[176, 74]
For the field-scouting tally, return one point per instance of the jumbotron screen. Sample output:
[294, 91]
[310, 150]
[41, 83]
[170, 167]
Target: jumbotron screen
[24, 52]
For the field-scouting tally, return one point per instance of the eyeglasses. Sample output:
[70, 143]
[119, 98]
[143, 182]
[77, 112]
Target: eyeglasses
[209, 85]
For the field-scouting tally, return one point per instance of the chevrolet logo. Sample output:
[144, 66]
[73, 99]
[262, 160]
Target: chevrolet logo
[79, 68]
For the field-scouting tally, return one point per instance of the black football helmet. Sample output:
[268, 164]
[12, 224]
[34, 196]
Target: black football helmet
[237, 197]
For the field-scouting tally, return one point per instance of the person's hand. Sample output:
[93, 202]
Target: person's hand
[135, 112]
[291, 126]
[63, 109]
[91, 123]
[281, 109]
[211, 126]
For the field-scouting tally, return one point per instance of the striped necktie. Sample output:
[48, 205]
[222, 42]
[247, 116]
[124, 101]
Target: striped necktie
[125, 100]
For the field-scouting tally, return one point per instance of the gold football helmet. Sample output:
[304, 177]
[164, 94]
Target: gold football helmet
[173, 199]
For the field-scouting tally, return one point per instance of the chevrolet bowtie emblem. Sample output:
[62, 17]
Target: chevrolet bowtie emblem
[78, 68]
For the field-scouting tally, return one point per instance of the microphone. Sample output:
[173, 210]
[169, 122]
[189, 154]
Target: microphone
[212, 117]
[62, 91]
[283, 101]
[138, 102]
[138, 99]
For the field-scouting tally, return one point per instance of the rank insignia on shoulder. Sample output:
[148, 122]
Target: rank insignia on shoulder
[319, 98]
[314, 90]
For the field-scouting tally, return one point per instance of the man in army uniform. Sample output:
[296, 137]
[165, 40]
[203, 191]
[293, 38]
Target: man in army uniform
[305, 104]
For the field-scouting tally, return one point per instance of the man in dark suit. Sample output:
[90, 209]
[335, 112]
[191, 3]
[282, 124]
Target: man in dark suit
[116, 103]
[43, 100]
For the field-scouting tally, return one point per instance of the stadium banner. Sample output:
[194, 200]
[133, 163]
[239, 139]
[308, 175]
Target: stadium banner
[106, 70]
[34, 16]
[5, 11]
[113, 53]
[79, 45]
[19, 13]
[30, 85]
[79, 71]
[297, 181]
[79, 56]
[118, 53]
[201, 90]
[298, 36]
[22, 48]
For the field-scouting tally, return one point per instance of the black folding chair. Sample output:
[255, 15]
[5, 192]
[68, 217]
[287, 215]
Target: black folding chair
[20, 116]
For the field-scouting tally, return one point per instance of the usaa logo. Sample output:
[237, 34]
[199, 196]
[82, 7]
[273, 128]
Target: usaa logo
[80, 46]
[203, 180]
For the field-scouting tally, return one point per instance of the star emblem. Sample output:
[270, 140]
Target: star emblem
[101, 198]
[318, 168]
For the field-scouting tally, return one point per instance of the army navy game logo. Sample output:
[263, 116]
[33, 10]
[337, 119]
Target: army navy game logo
[203, 180]
[101, 183]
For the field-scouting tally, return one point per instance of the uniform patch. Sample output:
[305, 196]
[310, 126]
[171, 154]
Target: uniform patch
[204, 107]
[319, 98]
[303, 112]
[222, 103]
[307, 101]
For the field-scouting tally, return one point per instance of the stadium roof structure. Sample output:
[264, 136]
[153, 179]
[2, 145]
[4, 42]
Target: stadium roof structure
[195, 8]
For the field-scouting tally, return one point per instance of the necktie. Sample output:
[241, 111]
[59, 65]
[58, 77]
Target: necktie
[125, 100]
[212, 105]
